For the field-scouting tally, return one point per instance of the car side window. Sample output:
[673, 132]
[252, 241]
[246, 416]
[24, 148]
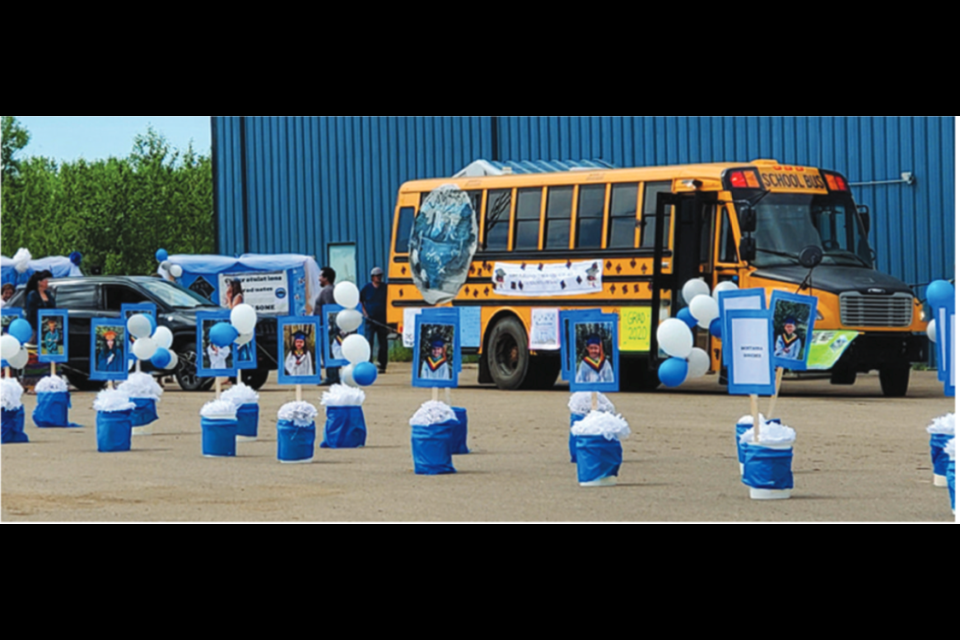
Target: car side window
[118, 295]
[78, 297]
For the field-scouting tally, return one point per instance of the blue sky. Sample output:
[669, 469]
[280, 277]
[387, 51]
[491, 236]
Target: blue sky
[67, 138]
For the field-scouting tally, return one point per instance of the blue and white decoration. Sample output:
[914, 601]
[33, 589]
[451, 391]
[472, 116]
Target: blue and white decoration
[431, 439]
[114, 421]
[580, 405]
[590, 351]
[296, 433]
[17, 270]
[247, 401]
[13, 351]
[941, 296]
[768, 464]
[346, 427]
[443, 241]
[53, 404]
[54, 328]
[145, 393]
[339, 324]
[12, 417]
[598, 439]
[218, 422]
[437, 350]
[951, 451]
[942, 431]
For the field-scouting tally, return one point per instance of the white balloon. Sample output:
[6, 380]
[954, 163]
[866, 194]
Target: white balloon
[695, 288]
[174, 361]
[9, 347]
[356, 349]
[347, 295]
[675, 338]
[723, 286]
[349, 320]
[244, 338]
[176, 271]
[699, 364]
[140, 326]
[144, 348]
[705, 309]
[932, 331]
[163, 337]
[244, 318]
[346, 376]
[20, 359]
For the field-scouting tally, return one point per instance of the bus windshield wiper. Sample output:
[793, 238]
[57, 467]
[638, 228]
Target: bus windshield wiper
[782, 254]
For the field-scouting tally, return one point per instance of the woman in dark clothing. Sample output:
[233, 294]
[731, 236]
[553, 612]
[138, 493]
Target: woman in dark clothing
[39, 297]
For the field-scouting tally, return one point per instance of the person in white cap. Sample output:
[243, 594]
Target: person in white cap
[373, 298]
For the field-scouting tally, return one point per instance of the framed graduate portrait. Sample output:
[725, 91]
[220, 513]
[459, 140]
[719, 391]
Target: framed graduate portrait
[333, 336]
[436, 352]
[108, 349]
[53, 345]
[213, 361]
[300, 345]
[127, 311]
[591, 349]
[793, 319]
[246, 354]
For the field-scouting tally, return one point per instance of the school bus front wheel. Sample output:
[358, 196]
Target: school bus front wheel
[508, 354]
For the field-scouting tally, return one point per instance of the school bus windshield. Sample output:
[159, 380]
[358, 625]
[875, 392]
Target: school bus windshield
[787, 223]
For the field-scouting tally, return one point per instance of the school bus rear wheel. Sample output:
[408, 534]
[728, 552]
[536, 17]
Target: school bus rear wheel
[508, 356]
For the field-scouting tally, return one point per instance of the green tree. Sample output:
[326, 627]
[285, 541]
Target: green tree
[14, 139]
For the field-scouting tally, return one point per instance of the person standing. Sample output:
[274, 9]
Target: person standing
[328, 278]
[39, 297]
[373, 298]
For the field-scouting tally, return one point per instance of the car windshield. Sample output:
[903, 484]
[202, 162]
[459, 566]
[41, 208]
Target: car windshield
[174, 295]
[786, 224]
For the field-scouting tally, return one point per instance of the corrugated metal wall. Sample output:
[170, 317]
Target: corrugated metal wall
[315, 181]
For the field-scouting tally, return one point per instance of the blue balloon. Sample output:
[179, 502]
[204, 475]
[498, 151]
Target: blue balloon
[941, 294]
[161, 359]
[716, 329]
[21, 330]
[365, 374]
[223, 334]
[162, 255]
[687, 316]
[673, 372]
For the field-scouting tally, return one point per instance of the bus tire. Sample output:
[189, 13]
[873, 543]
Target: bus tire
[895, 379]
[508, 354]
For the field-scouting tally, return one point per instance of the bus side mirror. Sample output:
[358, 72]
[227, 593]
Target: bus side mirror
[748, 220]
[748, 249]
[864, 212]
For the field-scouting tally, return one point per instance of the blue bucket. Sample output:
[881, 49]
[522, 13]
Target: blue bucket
[345, 428]
[295, 444]
[114, 431]
[431, 446]
[742, 448]
[598, 459]
[768, 472]
[11, 427]
[572, 443]
[952, 483]
[937, 454]
[219, 438]
[53, 410]
[248, 420]
[145, 413]
[458, 441]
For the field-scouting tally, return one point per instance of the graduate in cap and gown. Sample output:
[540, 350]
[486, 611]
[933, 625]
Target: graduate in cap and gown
[437, 364]
[596, 366]
[299, 361]
[789, 345]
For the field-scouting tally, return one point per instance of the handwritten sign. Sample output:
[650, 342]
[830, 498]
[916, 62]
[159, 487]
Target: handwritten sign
[751, 348]
[409, 327]
[470, 327]
[573, 279]
[635, 328]
[545, 329]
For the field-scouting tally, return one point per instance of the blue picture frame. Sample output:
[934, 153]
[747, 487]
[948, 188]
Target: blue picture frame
[751, 333]
[212, 362]
[946, 358]
[327, 325]
[599, 372]
[108, 359]
[57, 340]
[246, 355]
[739, 299]
[793, 356]
[8, 315]
[297, 368]
[128, 310]
[432, 370]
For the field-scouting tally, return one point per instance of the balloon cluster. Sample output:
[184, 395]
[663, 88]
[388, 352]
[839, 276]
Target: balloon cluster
[152, 343]
[240, 329]
[940, 294]
[167, 267]
[11, 344]
[356, 349]
[676, 338]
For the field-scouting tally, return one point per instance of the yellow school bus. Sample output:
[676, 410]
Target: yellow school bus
[643, 233]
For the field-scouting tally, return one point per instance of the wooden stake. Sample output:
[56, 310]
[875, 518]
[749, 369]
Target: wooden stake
[219, 387]
[53, 370]
[8, 373]
[773, 400]
[594, 401]
[436, 394]
[449, 397]
[299, 393]
[755, 411]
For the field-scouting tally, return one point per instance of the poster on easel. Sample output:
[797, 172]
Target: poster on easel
[53, 346]
[108, 351]
[436, 355]
[591, 351]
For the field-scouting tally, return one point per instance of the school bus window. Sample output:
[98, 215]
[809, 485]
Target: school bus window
[476, 199]
[728, 243]
[623, 216]
[497, 231]
[709, 219]
[590, 216]
[526, 235]
[559, 212]
[404, 227]
[650, 215]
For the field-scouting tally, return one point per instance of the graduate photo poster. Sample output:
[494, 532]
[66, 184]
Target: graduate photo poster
[744, 299]
[213, 361]
[793, 319]
[108, 349]
[129, 310]
[595, 359]
[300, 346]
[246, 354]
[54, 336]
[436, 353]
[8, 315]
[334, 336]
[750, 369]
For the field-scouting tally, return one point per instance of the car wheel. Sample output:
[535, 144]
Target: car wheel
[508, 356]
[895, 380]
[186, 372]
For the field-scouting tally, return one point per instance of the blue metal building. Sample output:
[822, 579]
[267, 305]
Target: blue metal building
[321, 184]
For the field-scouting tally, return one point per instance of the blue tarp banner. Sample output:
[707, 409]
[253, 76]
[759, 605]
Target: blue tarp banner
[939, 458]
[598, 458]
[145, 413]
[114, 431]
[248, 420]
[346, 428]
[769, 469]
[431, 449]
[219, 438]
[11, 427]
[295, 444]
[53, 410]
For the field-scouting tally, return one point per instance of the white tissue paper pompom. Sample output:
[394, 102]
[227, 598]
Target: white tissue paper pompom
[749, 420]
[943, 426]
[340, 395]
[431, 413]
[141, 385]
[951, 450]
[219, 410]
[240, 394]
[598, 423]
[112, 400]
[581, 403]
[10, 394]
[51, 384]
[772, 435]
[21, 260]
[301, 414]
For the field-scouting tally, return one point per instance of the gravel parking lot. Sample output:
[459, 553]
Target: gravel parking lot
[859, 457]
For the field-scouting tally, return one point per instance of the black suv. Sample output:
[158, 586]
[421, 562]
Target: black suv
[102, 297]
